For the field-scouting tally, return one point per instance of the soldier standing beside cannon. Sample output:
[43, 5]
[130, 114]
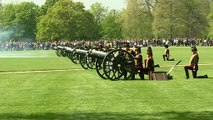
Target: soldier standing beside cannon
[149, 63]
[127, 48]
[138, 63]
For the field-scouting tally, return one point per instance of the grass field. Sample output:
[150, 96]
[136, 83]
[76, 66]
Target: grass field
[39, 85]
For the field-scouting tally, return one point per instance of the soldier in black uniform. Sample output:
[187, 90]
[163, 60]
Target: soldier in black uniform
[149, 64]
[166, 54]
[193, 65]
[127, 48]
[138, 63]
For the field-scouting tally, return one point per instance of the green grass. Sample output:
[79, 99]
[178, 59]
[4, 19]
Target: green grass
[77, 94]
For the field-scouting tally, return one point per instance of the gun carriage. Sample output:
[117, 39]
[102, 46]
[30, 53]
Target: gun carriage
[111, 65]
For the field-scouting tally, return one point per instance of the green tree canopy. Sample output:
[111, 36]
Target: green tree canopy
[47, 5]
[181, 18]
[210, 18]
[66, 20]
[138, 18]
[112, 26]
[99, 12]
[19, 20]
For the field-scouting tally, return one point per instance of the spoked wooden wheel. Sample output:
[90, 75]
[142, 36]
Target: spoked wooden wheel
[83, 61]
[74, 57]
[58, 52]
[63, 53]
[117, 64]
[91, 61]
[99, 68]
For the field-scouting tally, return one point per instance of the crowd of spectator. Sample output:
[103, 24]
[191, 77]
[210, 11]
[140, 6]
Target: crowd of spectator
[116, 43]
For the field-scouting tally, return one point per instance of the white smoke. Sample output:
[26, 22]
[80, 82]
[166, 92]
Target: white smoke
[5, 35]
[27, 54]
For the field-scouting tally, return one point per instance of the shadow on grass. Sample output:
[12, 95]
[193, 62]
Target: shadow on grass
[111, 116]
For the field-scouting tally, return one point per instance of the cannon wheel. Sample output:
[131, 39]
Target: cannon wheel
[83, 61]
[69, 55]
[99, 68]
[58, 52]
[118, 63]
[63, 53]
[74, 57]
[91, 61]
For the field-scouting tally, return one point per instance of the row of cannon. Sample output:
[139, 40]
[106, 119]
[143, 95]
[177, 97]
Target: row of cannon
[113, 65]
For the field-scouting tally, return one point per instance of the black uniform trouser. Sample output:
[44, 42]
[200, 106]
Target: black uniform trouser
[194, 72]
[165, 57]
[139, 70]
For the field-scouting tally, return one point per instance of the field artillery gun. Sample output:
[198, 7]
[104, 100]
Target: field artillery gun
[67, 52]
[115, 64]
[111, 65]
[76, 56]
[60, 51]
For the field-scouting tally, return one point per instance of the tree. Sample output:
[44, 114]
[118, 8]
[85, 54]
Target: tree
[169, 19]
[210, 18]
[66, 20]
[1, 6]
[47, 5]
[7, 21]
[111, 26]
[181, 18]
[20, 20]
[196, 20]
[99, 12]
[138, 18]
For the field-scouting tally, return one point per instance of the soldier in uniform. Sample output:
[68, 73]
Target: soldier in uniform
[127, 48]
[193, 65]
[149, 64]
[138, 63]
[149, 50]
[166, 54]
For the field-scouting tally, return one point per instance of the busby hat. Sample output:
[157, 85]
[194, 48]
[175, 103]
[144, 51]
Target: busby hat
[149, 49]
[138, 49]
[127, 45]
[193, 48]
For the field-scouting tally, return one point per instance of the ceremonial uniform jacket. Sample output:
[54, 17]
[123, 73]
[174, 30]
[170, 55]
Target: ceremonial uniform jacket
[194, 61]
[166, 52]
[149, 63]
[138, 59]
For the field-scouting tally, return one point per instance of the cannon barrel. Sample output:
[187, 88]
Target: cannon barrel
[80, 51]
[69, 49]
[60, 47]
[97, 54]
